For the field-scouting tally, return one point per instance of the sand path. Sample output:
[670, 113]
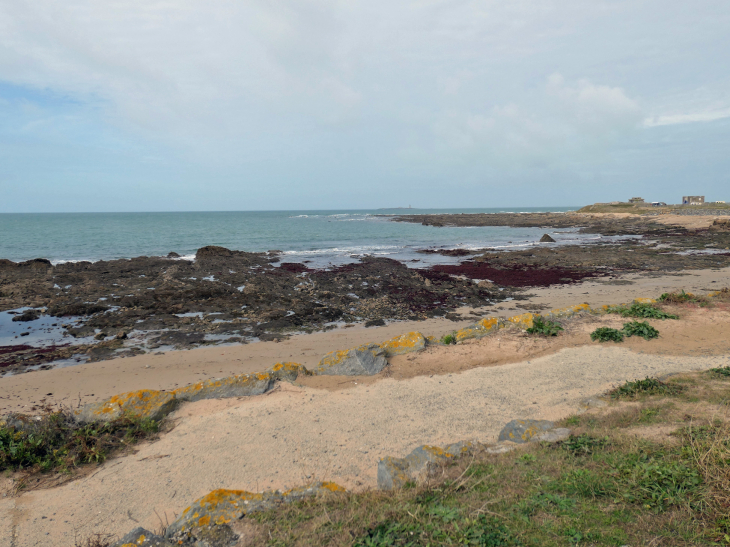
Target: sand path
[298, 434]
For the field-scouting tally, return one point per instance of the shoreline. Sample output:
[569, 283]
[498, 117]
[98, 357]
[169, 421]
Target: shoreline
[84, 383]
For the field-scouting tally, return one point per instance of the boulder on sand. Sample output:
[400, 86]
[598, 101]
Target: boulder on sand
[145, 403]
[365, 360]
[405, 343]
[139, 537]
[241, 385]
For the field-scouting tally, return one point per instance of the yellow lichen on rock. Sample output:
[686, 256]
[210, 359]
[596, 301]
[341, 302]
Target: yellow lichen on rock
[405, 343]
[241, 385]
[480, 329]
[145, 403]
[524, 321]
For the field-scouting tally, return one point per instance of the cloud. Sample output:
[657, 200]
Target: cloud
[694, 117]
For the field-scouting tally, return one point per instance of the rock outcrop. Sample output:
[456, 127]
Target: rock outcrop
[405, 343]
[214, 511]
[365, 360]
[145, 403]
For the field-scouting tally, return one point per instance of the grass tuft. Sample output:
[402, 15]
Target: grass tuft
[648, 386]
[449, 339]
[683, 298]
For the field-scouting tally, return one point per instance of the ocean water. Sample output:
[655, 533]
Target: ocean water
[320, 237]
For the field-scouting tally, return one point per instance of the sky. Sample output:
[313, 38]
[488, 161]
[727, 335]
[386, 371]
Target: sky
[160, 105]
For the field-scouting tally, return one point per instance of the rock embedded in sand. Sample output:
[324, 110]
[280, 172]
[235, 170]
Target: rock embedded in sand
[521, 431]
[220, 507]
[288, 371]
[241, 385]
[139, 537]
[145, 403]
[405, 343]
[365, 360]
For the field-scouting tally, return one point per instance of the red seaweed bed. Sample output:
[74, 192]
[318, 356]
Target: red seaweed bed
[517, 276]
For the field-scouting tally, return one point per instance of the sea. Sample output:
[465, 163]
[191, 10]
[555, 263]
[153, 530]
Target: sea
[318, 238]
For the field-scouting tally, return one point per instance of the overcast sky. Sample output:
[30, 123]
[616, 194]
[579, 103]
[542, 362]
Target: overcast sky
[128, 105]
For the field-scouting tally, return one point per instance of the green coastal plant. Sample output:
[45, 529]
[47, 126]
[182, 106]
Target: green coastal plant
[448, 339]
[642, 310]
[607, 334]
[683, 298]
[720, 371]
[640, 328]
[634, 328]
[544, 327]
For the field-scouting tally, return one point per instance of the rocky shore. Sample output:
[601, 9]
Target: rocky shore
[119, 308]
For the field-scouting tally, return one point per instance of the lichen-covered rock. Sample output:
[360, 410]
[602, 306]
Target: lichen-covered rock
[405, 343]
[524, 320]
[145, 403]
[288, 371]
[241, 385]
[223, 506]
[139, 537]
[364, 360]
[569, 311]
[551, 436]
[521, 431]
[480, 329]
[394, 473]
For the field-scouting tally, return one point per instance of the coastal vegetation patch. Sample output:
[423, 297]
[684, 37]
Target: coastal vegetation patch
[55, 441]
[615, 481]
[634, 328]
[544, 327]
[642, 310]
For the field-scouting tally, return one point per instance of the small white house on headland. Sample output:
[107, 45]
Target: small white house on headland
[693, 200]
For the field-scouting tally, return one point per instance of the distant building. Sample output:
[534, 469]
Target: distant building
[658, 204]
[693, 200]
[636, 200]
[722, 202]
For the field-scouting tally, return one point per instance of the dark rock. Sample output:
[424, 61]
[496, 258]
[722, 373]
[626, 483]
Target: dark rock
[546, 239]
[173, 254]
[375, 323]
[28, 315]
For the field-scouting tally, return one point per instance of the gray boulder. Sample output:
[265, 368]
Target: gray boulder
[551, 436]
[546, 239]
[365, 360]
[394, 473]
[521, 431]
[145, 403]
[241, 385]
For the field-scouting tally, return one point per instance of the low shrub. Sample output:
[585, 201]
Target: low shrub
[607, 334]
[641, 310]
[683, 298]
[640, 328]
[544, 327]
[55, 442]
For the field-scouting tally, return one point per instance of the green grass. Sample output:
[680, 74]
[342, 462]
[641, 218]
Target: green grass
[604, 485]
[683, 298]
[640, 310]
[648, 386]
[723, 372]
[57, 443]
[544, 327]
